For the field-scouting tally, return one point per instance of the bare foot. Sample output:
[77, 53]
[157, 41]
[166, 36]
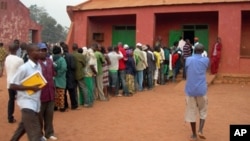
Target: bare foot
[201, 135]
[193, 138]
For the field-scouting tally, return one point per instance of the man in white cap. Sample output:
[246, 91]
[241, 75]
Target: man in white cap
[125, 46]
[140, 65]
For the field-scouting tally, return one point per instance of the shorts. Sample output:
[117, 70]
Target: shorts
[196, 104]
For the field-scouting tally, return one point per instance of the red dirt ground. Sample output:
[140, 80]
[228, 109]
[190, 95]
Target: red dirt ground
[155, 115]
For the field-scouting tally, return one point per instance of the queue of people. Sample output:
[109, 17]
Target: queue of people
[86, 75]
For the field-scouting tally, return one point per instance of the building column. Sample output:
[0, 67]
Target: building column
[145, 27]
[80, 28]
[229, 29]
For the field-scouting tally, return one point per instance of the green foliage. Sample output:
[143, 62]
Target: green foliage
[51, 31]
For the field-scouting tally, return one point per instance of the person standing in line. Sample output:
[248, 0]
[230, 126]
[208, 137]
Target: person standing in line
[105, 71]
[216, 55]
[140, 65]
[158, 41]
[81, 62]
[19, 50]
[12, 63]
[99, 76]
[60, 77]
[47, 93]
[145, 75]
[71, 84]
[3, 54]
[90, 72]
[114, 55]
[175, 47]
[150, 67]
[157, 56]
[196, 41]
[24, 54]
[161, 70]
[167, 54]
[130, 72]
[29, 104]
[181, 43]
[121, 71]
[196, 89]
[187, 51]
[176, 63]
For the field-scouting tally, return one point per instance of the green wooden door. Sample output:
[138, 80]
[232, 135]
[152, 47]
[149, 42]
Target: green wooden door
[117, 36]
[125, 35]
[202, 34]
[174, 35]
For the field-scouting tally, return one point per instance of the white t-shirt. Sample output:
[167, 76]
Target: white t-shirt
[162, 55]
[146, 61]
[12, 63]
[114, 60]
[93, 60]
[181, 44]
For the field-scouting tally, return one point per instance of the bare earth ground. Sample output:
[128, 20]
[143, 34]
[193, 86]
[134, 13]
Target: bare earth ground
[156, 115]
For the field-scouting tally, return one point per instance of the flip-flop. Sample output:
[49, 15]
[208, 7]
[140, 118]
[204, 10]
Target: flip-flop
[201, 135]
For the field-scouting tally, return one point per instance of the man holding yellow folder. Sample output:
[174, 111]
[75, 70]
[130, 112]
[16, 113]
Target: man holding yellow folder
[29, 104]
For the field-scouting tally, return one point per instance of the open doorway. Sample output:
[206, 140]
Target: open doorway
[33, 36]
[189, 34]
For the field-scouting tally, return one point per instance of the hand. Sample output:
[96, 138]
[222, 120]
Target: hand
[35, 87]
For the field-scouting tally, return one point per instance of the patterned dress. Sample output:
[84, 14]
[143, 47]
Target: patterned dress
[105, 73]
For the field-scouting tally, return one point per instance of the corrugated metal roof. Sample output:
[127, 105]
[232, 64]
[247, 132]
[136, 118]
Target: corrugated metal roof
[108, 4]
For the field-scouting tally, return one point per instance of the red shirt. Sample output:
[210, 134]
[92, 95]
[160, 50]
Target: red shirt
[175, 57]
[218, 50]
[122, 65]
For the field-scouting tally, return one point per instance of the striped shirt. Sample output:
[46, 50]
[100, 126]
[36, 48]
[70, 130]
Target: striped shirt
[186, 51]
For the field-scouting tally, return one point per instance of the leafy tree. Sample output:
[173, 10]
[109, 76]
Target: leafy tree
[52, 31]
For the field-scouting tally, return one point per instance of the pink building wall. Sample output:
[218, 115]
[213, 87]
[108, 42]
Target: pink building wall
[15, 23]
[220, 18]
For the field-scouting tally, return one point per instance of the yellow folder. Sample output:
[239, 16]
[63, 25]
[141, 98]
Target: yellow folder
[34, 79]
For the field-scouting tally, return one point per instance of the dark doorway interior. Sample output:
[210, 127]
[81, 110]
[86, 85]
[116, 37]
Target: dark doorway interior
[189, 34]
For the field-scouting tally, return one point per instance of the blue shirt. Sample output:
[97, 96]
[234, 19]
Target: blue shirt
[130, 66]
[196, 67]
[25, 100]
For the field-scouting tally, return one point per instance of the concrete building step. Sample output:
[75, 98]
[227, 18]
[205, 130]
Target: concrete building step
[181, 85]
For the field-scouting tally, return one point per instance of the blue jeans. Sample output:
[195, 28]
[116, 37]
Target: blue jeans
[162, 74]
[176, 71]
[122, 76]
[149, 78]
[113, 80]
[139, 79]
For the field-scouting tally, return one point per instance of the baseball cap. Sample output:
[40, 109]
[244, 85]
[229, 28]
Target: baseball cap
[139, 44]
[125, 46]
[42, 45]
